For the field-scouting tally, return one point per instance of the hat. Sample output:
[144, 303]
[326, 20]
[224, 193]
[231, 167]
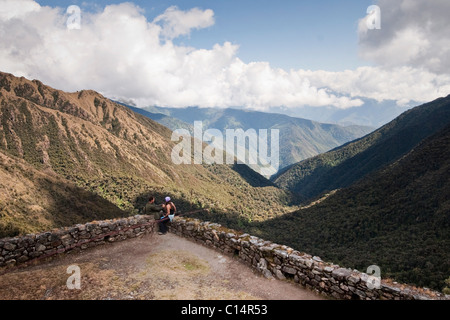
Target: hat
[167, 199]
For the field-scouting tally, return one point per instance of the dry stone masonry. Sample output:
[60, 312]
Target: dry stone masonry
[281, 262]
[32, 247]
[273, 261]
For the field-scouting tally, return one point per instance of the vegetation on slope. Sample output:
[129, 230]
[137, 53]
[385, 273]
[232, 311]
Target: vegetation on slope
[347, 164]
[73, 157]
[397, 218]
[32, 200]
[106, 149]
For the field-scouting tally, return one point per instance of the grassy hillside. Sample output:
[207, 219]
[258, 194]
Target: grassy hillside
[344, 165]
[299, 138]
[397, 218]
[33, 200]
[110, 151]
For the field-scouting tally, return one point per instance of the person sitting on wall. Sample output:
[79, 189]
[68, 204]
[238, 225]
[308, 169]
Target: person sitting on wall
[169, 213]
[151, 208]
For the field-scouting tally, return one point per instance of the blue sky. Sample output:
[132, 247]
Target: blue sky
[260, 55]
[316, 35]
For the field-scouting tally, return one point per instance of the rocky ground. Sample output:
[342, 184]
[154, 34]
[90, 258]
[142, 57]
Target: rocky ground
[152, 268]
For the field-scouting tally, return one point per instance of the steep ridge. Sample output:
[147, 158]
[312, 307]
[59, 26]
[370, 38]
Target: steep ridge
[349, 163]
[108, 150]
[299, 138]
[397, 218]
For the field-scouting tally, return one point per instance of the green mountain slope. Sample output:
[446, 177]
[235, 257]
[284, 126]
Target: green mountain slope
[33, 200]
[397, 218]
[299, 138]
[108, 150]
[351, 162]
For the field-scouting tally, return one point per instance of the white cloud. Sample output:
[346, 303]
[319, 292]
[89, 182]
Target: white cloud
[414, 33]
[403, 84]
[10, 9]
[121, 54]
[176, 22]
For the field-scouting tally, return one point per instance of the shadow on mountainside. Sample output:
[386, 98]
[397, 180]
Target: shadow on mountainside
[252, 178]
[56, 203]
[182, 205]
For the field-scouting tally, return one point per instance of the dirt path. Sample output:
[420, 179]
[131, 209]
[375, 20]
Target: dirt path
[152, 267]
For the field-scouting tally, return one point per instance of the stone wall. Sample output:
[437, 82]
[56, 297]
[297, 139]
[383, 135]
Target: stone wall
[280, 262]
[271, 260]
[33, 247]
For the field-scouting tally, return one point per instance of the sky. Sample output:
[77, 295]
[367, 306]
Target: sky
[255, 54]
[292, 34]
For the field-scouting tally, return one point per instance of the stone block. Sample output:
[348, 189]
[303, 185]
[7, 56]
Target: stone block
[9, 246]
[289, 270]
[341, 273]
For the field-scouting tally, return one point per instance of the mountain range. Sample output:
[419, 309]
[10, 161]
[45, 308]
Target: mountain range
[352, 161]
[381, 199]
[397, 217]
[371, 113]
[60, 149]
[299, 138]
